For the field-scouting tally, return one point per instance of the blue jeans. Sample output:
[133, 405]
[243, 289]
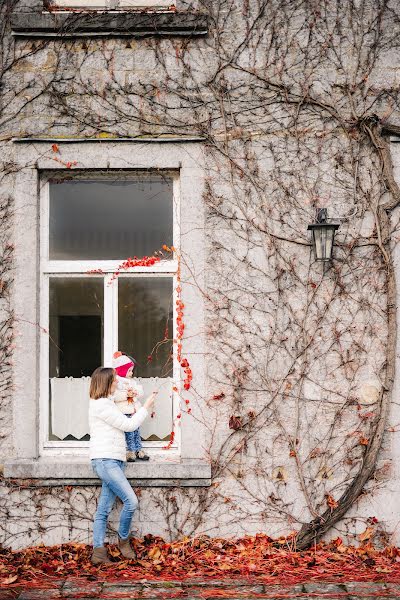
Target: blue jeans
[111, 472]
[133, 439]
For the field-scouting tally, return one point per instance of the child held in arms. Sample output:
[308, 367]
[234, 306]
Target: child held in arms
[126, 399]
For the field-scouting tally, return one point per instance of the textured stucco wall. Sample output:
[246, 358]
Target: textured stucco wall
[249, 297]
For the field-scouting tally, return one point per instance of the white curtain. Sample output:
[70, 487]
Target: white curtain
[160, 425]
[70, 405]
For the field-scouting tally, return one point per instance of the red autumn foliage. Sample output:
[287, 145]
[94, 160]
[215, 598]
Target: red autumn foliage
[95, 272]
[235, 422]
[331, 502]
[131, 263]
[261, 557]
[171, 441]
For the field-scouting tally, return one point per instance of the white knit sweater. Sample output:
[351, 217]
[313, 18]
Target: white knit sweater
[120, 396]
[107, 426]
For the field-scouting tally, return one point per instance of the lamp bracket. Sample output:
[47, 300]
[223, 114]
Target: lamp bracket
[322, 215]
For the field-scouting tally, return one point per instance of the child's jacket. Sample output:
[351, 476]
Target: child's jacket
[125, 405]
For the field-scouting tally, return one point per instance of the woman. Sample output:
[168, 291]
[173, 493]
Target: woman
[108, 456]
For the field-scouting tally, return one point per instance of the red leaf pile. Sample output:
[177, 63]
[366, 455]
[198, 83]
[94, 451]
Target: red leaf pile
[259, 557]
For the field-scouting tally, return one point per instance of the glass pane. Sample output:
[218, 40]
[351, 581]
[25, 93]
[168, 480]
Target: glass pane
[145, 323]
[110, 219]
[75, 351]
[145, 332]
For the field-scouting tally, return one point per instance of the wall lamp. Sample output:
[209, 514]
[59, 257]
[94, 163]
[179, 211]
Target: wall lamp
[323, 235]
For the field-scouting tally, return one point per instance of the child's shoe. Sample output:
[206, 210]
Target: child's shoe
[130, 456]
[140, 455]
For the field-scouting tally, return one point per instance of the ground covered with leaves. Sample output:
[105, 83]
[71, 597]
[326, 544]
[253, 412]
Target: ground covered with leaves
[261, 557]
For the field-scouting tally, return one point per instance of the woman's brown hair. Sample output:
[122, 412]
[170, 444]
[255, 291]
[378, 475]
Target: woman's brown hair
[101, 382]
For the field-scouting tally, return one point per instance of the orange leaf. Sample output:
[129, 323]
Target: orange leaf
[367, 534]
[9, 580]
[155, 553]
[331, 502]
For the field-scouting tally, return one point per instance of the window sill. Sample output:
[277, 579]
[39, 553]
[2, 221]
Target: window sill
[77, 471]
[121, 24]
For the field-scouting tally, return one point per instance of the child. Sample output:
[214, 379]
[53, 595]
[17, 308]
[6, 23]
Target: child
[125, 398]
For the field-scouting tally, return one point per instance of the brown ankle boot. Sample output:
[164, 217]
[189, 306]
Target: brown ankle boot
[100, 556]
[126, 549]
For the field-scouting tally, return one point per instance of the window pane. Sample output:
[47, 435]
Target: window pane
[110, 219]
[145, 323]
[75, 350]
[144, 330]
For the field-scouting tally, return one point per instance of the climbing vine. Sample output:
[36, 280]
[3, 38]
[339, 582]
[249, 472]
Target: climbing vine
[294, 102]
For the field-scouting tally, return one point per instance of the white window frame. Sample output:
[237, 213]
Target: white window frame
[156, 5]
[62, 268]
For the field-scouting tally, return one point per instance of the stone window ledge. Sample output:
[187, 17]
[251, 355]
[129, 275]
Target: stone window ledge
[125, 24]
[77, 471]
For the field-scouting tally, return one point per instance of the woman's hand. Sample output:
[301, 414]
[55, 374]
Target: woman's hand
[148, 405]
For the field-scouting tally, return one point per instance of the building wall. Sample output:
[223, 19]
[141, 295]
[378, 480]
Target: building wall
[288, 361]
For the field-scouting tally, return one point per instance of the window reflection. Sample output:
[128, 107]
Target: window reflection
[110, 220]
[145, 323]
[75, 351]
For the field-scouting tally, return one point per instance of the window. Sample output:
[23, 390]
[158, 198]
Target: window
[89, 227]
[113, 4]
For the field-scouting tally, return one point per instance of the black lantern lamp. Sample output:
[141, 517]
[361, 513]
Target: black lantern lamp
[323, 234]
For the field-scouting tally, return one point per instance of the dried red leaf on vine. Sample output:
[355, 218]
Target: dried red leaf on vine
[372, 520]
[315, 452]
[235, 422]
[95, 272]
[331, 502]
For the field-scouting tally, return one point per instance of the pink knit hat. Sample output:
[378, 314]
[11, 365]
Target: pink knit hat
[122, 363]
